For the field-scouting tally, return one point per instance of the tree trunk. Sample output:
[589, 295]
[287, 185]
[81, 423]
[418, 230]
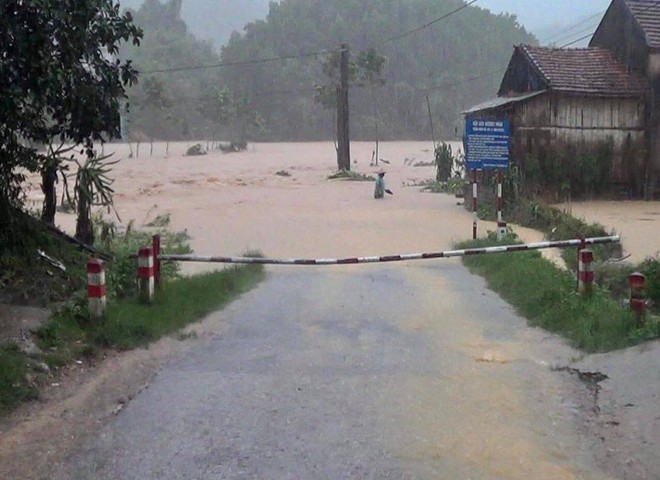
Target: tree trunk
[343, 133]
[48, 180]
[84, 228]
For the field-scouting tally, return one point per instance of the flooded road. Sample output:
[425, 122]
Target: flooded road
[413, 371]
[370, 373]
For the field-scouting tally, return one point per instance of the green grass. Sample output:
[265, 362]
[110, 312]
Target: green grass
[351, 176]
[546, 296]
[129, 324]
[71, 335]
[14, 384]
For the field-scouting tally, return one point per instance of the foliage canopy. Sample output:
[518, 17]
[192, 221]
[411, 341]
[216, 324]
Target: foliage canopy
[59, 78]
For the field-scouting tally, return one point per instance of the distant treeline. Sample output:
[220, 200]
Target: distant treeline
[277, 100]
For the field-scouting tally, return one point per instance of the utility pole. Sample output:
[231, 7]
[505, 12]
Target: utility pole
[343, 134]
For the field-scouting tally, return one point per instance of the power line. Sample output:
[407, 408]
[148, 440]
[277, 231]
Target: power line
[235, 63]
[565, 31]
[429, 24]
[577, 40]
[579, 32]
[653, 5]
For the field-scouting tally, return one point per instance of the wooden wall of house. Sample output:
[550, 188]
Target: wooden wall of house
[552, 122]
[620, 33]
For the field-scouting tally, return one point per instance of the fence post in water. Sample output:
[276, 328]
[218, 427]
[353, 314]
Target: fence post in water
[475, 204]
[146, 275]
[586, 275]
[638, 301]
[96, 288]
[156, 247]
[501, 224]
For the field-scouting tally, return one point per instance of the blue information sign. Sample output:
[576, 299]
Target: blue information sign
[488, 144]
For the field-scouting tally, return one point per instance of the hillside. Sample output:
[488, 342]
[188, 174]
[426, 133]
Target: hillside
[214, 20]
[436, 61]
[455, 62]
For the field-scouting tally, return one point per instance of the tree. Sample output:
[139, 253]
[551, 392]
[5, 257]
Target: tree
[59, 78]
[437, 61]
[338, 67]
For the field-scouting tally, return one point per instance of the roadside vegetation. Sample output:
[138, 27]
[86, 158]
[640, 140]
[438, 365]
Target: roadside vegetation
[546, 295]
[351, 176]
[71, 335]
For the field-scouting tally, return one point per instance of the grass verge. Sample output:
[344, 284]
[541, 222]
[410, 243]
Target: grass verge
[128, 324]
[546, 296]
[70, 334]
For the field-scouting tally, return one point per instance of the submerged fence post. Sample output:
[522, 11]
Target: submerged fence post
[475, 204]
[586, 272]
[96, 288]
[156, 247]
[146, 275]
[638, 301]
[501, 224]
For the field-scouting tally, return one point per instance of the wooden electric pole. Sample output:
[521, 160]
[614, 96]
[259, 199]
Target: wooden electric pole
[343, 134]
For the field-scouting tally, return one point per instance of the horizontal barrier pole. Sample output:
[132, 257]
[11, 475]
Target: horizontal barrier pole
[393, 258]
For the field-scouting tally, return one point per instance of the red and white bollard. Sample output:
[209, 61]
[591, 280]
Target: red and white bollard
[638, 300]
[146, 275]
[96, 288]
[586, 272]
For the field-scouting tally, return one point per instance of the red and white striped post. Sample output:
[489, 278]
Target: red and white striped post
[501, 224]
[146, 275]
[475, 204]
[586, 275]
[156, 247]
[638, 300]
[96, 288]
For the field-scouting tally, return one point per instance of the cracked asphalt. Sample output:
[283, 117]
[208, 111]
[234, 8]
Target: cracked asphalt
[414, 371]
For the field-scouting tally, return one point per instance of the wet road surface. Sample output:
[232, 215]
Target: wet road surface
[373, 372]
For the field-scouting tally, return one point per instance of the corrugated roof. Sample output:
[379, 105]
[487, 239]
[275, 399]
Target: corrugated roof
[647, 14]
[501, 101]
[588, 71]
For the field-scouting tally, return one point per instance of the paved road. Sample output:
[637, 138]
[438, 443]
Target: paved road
[377, 372]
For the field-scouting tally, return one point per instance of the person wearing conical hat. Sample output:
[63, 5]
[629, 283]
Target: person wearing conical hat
[380, 190]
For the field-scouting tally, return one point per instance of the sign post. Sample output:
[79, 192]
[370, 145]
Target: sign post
[487, 148]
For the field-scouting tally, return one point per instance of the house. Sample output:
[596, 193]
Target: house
[630, 29]
[582, 109]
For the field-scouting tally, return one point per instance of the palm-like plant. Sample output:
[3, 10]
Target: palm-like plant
[92, 187]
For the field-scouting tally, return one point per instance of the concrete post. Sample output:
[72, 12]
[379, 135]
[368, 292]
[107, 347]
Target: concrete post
[638, 300]
[146, 275]
[586, 272]
[96, 288]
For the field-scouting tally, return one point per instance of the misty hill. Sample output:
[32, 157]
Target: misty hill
[215, 20]
[456, 62]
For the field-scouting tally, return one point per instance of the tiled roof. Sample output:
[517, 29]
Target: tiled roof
[589, 71]
[647, 14]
